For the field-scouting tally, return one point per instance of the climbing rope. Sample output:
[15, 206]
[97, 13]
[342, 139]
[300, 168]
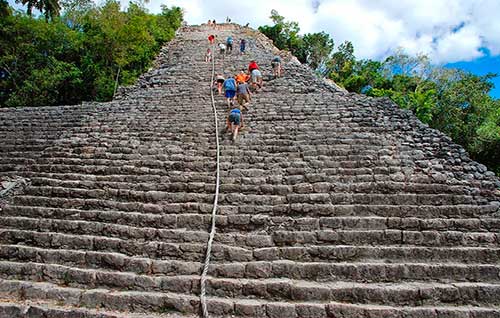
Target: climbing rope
[203, 279]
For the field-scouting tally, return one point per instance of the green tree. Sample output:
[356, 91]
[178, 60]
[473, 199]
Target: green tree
[50, 8]
[318, 47]
[5, 10]
[74, 12]
[78, 57]
[341, 64]
[285, 35]
[40, 61]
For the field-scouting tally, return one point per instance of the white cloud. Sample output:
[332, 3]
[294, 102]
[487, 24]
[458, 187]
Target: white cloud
[462, 45]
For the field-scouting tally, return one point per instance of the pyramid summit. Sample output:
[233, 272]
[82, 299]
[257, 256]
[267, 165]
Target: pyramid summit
[331, 204]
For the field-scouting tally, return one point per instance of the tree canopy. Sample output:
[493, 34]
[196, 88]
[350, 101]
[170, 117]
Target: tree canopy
[67, 59]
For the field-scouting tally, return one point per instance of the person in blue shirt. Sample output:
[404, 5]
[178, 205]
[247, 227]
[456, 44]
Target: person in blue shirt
[229, 44]
[230, 90]
[234, 121]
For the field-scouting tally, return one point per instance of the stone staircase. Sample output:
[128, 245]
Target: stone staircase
[332, 204]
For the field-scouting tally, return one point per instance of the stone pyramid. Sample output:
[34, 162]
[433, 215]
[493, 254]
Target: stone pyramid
[331, 204]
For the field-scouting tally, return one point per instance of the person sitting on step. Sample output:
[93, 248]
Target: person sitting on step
[234, 121]
[219, 80]
[230, 90]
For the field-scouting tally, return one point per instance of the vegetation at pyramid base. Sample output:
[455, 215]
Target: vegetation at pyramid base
[77, 56]
[453, 101]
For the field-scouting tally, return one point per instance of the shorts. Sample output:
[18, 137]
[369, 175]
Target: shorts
[243, 98]
[230, 93]
[229, 46]
[242, 48]
[234, 118]
[275, 64]
[256, 76]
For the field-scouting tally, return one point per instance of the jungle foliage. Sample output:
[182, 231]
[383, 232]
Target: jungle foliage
[74, 57]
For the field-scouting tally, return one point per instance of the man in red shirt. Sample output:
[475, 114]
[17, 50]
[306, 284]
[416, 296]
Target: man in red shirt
[252, 66]
[211, 38]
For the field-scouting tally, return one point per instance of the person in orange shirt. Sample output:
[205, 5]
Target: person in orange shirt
[242, 77]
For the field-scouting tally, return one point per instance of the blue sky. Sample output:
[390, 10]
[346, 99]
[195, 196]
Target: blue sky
[482, 66]
[453, 33]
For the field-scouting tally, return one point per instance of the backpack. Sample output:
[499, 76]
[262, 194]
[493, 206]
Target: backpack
[229, 40]
[229, 84]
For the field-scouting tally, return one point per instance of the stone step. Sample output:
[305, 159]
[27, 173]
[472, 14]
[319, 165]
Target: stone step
[201, 167]
[155, 302]
[102, 299]
[386, 210]
[367, 253]
[385, 237]
[202, 193]
[300, 188]
[78, 198]
[151, 197]
[112, 230]
[371, 272]
[149, 249]
[293, 210]
[252, 175]
[278, 289]
[38, 308]
[100, 260]
[45, 193]
[268, 237]
[91, 278]
[230, 251]
[251, 222]
[172, 177]
[106, 205]
[91, 155]
[405, 294]
[177, 150]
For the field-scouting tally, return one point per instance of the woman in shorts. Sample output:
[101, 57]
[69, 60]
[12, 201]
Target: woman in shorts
[256, 77]
[234, 121]
[230, 90]
[243, 94]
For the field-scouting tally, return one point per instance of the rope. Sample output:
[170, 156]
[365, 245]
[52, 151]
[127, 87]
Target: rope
[203, 278]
